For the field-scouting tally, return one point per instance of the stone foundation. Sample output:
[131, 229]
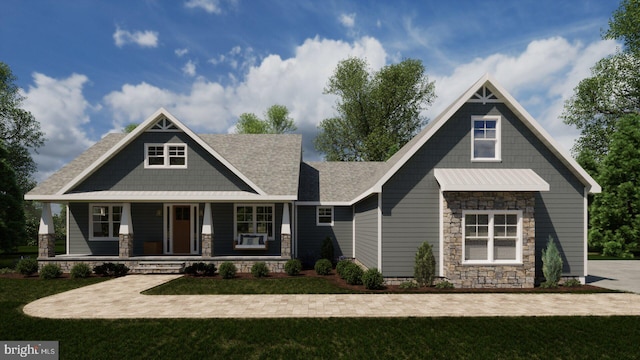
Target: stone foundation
[46, 245]
[490, 275]
[285, 246]
[207, 245]
[125, 245]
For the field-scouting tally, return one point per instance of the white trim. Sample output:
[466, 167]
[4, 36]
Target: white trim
[254, 217]
[324, 203]
[148, 123]
[161, 196]
[498, 145]
[380, 232]
[285, 228]
[441, 233]
[194, 227]
[167, 230]
[294, 252]
[353, 232]
[113, 237]
[491, 238]
[67, 245]
[318, 223]
[166, 156]
[46, 220]
[207, 220]
[126, 223]
[585, 230]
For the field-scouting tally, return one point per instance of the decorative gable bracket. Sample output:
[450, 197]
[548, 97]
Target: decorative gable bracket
[484, 95]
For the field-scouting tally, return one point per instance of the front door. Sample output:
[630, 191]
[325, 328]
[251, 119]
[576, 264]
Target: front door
[181, 229]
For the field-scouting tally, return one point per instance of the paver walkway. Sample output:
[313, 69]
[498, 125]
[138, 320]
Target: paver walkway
[121, 298]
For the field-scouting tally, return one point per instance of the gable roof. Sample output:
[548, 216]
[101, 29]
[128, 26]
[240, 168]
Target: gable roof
[406, 152]
[250, 157]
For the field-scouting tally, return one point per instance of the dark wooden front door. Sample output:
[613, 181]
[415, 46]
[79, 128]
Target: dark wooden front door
[181, 229]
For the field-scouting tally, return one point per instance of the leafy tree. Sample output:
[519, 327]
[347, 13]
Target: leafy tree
[615, 213]
[18, 129]
[277, 121]
[12, 221]
[624, 25]
[378, 112]
[129, 128]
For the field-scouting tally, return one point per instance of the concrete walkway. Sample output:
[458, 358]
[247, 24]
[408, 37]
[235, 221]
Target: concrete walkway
[120, 298]
[615, 274]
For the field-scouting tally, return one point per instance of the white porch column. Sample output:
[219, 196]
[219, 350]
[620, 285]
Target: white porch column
[46, 233]
[207, 231]
[285, 233]
[126, 232]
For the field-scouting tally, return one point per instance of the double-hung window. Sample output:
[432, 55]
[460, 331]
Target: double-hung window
[104, 221]
[492, 237]
[254, 219]
[163, 156]
[324, 216]
[485, 138]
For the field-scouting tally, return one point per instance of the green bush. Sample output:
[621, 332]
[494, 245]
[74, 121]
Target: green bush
[425, 266]
[80, 270]
[353, 274]
[111, 270]
[293, 267]
[323, 267]
[408, 285]
[27, 266]
[551, 264]
[6, 270]
[259, 269]
[200, 269]
[572, 283]
[444, 285]
[50, 271]
[227, 270]
[326, 249]
[372, 279]
[341, 266]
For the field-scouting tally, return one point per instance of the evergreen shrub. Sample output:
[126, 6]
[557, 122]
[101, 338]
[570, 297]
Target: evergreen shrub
[323, 267]
[259, 269]
[227, 270]
[293, 267]
[50, 271]
[80, 270]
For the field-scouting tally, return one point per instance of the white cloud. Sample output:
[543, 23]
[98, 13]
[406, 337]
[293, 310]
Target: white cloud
[236, 58]
[60, 107]
[145, 38]
[189, 68]
[181, 52]
[347, 20]
[210, 6]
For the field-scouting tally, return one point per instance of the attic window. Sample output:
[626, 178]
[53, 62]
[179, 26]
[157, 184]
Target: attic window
[485, 138]
[164, 124]
[164, 156]
[484, 95]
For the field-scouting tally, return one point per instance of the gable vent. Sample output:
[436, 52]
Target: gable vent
[164, 124]
[484, 95]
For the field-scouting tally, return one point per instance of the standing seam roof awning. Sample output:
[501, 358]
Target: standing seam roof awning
[490, 180]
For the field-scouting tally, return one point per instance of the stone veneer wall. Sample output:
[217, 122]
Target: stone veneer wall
[488, 276]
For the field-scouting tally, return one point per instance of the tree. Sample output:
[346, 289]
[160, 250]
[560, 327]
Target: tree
[129, 128]
[551, 264]
[615, 213]
[18, 129]
[12, 221]
[424, 270]
[378, 112]
[277, 121]
[624, 25]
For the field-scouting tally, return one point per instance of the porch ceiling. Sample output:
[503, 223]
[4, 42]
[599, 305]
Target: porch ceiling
[490, 180]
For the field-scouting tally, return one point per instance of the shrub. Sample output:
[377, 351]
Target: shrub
[111, 270]
[551, 264]
[227, 270]
[425, 267]
[572, 283]
[341, 266]
[6, 270]
[50, 271]
[200, 269]
[293, 267]
[326, 249]
[259, 269]
[372, 279]
[323, 267]
[444, 285]
[27, 266]
[80, 270]
[353, 274]
[408, 285]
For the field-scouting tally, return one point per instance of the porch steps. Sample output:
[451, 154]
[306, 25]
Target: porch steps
[158, 267]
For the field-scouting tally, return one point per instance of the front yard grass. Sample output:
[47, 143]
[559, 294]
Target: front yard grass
[352, 338]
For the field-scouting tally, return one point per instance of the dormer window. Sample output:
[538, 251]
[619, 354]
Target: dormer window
[164, 156]
[485, 138]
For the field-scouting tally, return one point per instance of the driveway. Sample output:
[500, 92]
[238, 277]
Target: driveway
[615, 274]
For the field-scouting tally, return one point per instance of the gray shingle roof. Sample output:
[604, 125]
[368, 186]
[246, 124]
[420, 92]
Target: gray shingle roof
[337, 181]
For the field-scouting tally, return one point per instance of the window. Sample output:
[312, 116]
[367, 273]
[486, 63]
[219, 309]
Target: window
[492, 237]
[104, 221]
[165, 156]
[324, 215]
[485, 138]
[254, 219]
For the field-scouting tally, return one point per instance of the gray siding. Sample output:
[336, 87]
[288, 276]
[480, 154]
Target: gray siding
[311, 236]
[410, 197]
[79, 234]
[126, 172]
[366, 223]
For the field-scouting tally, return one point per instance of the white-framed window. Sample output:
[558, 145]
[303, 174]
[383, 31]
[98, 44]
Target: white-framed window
[324, 215]
[165, 156]
[491, 237]
[485, 138]
[104, 221]
[254, 219]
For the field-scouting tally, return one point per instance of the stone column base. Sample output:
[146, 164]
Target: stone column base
[207, 245]
[46, 245]
[125, 245]
[285, 246]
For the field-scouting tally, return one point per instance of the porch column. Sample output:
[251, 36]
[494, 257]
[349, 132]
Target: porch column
[126, 232]
[46, 233]
[285, 233]
[207, 232]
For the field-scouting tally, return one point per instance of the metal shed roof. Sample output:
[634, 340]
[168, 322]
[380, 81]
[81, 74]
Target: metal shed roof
[490, 180]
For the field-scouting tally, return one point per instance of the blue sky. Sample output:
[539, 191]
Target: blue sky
[90, 67]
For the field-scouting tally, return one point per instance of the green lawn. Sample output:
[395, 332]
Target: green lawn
[356, 338]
